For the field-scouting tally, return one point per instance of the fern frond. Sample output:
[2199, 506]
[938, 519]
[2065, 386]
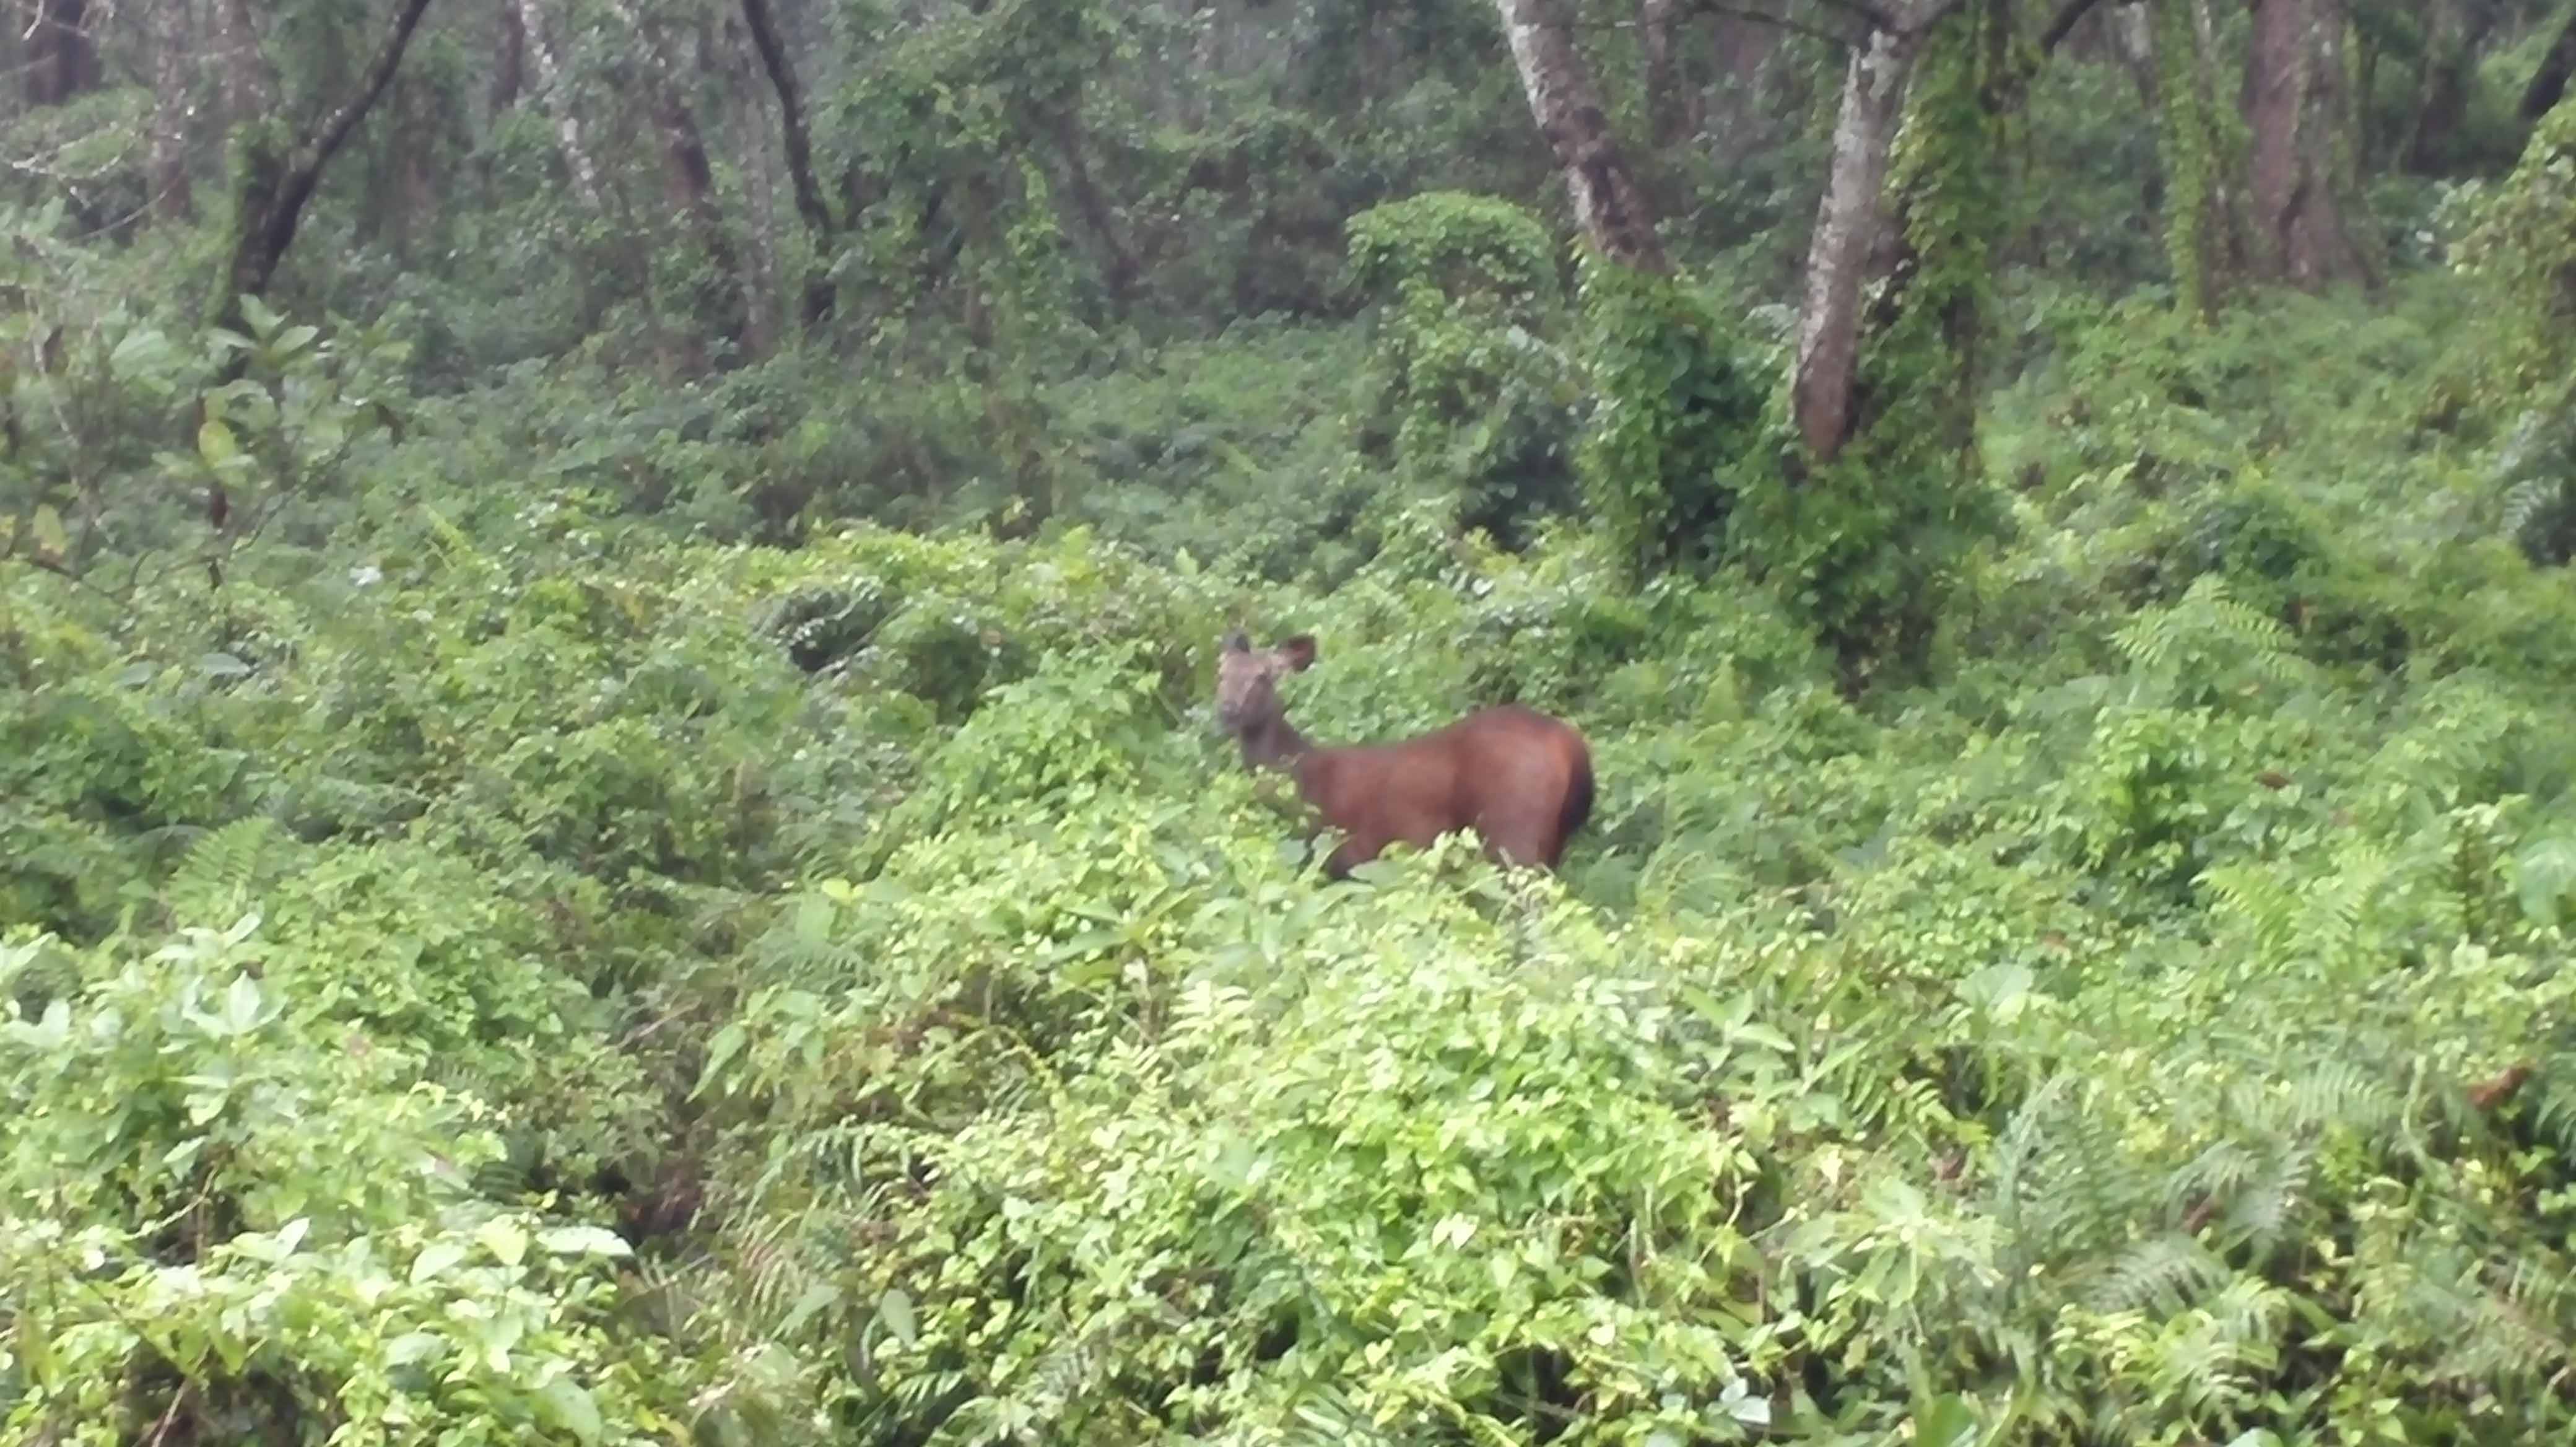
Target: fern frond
[2162, 1275]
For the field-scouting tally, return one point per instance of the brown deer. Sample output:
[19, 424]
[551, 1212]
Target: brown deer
[1520, 779]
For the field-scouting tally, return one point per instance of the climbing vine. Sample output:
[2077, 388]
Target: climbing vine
[1679, 422]
[2201, 143]
[1864, 547]
[1473, 402]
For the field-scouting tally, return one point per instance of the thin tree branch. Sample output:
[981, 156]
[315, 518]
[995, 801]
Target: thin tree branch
[810, 206]
[1794, 27]
[2064, 22]
[1870, 15]
[284, 210]
[2549, 82]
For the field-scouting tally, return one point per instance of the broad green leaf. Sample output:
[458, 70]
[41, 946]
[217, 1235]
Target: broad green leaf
[435, 1259]
[1947, 1422]
[413, 1346]
[222, 665]
[720, 1052]
[241, 1005]
[507, 1240]
[583, 1241]
[262, 317]
[571, 1405]
[813, 1299]
[894, 1308]
[140, 353]
[51, 538]
[215, 442]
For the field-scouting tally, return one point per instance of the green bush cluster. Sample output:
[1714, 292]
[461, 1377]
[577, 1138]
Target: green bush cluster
[567, 942]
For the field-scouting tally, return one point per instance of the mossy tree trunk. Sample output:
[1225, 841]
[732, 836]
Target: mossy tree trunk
[1609, 205]
[60, 58]
[276, 177]
[1851, 223]
[2298, 176]
[2208, 238]
[822, 231]
[718, 297]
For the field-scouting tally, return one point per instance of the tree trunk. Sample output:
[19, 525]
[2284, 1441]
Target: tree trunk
[819, 227]
[1665, 117]
[2549, 82]
[1734, 121]
[61, 57]
[174, 104]
[411, 190]
[510, 66]
[2295, 108]
[1608, 203]
[1208, 59]
[750, 126]
[275, 186]
[567, 118]
[2131, 38]
[1120, 268]
[2454, 30]
[689, 183]
[1850, 224]
[249, 90]
[2208, 240]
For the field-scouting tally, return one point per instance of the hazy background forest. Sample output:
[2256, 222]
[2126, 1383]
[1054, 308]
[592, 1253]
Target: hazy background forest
[611, 828]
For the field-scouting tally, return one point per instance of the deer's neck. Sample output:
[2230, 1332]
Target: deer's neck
[1274, 744]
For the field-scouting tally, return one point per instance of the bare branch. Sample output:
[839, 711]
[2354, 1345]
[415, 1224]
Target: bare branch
[2062, 24]
[1758, 17]
[1870, 15]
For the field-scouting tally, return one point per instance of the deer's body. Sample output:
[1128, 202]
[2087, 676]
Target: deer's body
[1521, 779]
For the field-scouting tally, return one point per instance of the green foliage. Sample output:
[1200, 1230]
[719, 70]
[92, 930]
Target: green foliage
[1467, 248]
[748, 933]
[2516, 240]
[1870, 546]
[224, 1207]
[1235, 451]
[2202, 144]
[1480, 405]
[121, 434]
[1679, 432]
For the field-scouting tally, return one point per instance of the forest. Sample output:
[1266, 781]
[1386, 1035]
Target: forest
[626, 818]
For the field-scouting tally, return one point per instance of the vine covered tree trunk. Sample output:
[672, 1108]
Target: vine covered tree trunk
[820, 229]
[1119, 267]
[510, 65]
[2130, 36]
[2549, 82]
[276, 183]
[567, 117]
[1851, 224]
[1608, 203]
[249, 91]
[174, 100]
[1733, 119]
[2454, 29]
[689, 183]
[2296, 111]
[2208, 238]
[1665, 116]
[61, 59]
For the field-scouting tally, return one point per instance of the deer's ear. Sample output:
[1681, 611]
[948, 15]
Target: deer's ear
[1297, 652]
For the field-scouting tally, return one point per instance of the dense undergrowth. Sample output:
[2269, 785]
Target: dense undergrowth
[504, 969]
